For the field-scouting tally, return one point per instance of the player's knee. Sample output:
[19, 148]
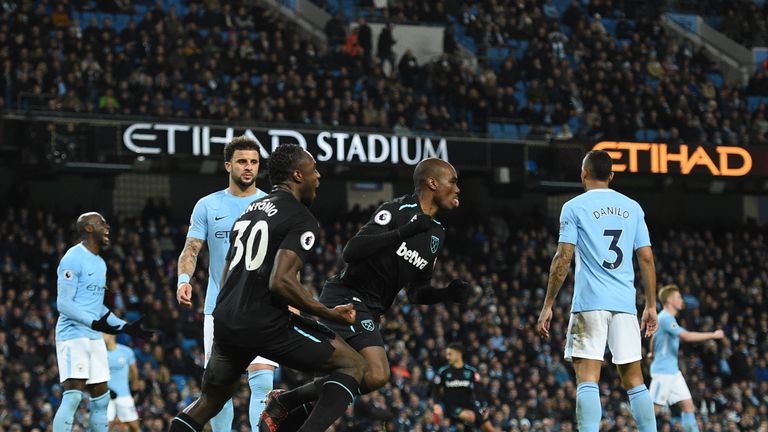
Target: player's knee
[209, 405]
[377, 377]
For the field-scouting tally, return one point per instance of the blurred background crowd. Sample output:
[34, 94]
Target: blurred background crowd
[600, 70]
[525, 383]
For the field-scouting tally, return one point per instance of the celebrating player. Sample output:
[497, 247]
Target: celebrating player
[605, 227]
[456, 389]
[211, 222]
[397, 248]
[270, 243]
[123, 371]
[667, 383]
[80, 349]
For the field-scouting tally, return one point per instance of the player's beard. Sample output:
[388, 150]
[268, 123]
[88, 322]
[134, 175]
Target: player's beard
[243, 185]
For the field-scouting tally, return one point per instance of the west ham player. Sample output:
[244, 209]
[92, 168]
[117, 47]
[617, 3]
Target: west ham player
[604, 227]
[80, 349]
[211, 222]
[396, 249]
[455, 383]
[123, 371]
[269, 244]
[667, 382]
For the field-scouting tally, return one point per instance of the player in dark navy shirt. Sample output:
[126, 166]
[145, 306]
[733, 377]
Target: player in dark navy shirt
[396, 249]
[455, 387]
[269, 244]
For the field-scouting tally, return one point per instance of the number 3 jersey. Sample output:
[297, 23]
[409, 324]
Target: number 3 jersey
[245, 304]
[410, 261]
[606, 227]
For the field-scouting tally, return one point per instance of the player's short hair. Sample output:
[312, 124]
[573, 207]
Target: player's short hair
[666, 292]
[83, 221]
[427, 168]
[599, 164]
[284, 161]
[456, 346]
[239, 143]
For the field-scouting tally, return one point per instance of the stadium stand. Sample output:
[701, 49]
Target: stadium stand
[606, 70]
[525, 381]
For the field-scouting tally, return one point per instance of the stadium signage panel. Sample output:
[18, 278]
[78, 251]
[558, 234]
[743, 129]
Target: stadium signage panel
[333, 146]
[659, 158]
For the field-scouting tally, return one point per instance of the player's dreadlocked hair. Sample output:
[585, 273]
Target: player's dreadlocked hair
[283, 162]
[239, 143]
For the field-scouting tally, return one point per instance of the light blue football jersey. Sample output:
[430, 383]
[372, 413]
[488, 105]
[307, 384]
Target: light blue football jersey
[666, 344]
[120, 360]
[212, 220]
[606, 227]
[81, 283]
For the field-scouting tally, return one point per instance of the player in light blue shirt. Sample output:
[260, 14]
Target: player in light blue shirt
[668, 385]
[80, 350]
[123, 371]
[604, 228]
[211, 222]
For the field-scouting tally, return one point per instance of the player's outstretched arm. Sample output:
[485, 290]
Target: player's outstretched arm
[372, 238]
[186, 268]
[283, 282]
[558, 270]
[688, 336]
[649, 321]
[457, 291]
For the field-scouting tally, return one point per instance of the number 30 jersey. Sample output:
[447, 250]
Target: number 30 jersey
[245, 303]
[606, 227]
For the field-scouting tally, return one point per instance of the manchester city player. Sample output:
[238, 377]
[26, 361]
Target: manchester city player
[123, 371]
[604, 227]
[211, 223]
[80, 349]
[667, 383]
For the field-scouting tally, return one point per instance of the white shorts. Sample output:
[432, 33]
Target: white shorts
[669, 389]
[83, 358]
[123, 408]
[208, 343]
[589, 331]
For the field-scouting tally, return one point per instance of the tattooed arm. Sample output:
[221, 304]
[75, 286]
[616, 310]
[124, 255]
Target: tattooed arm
[186, 266]
[561, 265]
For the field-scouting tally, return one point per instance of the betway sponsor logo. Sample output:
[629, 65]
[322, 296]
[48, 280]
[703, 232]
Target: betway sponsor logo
[411, 256]
[457, 383]
[326, 146]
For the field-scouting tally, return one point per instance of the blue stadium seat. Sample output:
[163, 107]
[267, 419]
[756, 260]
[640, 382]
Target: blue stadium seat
[494, 127]
[753, 102]
[716, 79]
[610, 25]
[575, 124]
[511, 131]
[180, 380]
[522, 99]
[524, 130]
[132, 315]
[188, 344]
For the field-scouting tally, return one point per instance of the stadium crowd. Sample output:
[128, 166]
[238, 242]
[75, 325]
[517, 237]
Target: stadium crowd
[601, 71]
[525, 382]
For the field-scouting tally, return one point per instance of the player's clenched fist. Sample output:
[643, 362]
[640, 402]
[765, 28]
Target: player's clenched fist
[344, 313]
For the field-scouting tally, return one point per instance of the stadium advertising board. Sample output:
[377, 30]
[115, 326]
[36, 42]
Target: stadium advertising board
[683, 159]
[326, 145]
